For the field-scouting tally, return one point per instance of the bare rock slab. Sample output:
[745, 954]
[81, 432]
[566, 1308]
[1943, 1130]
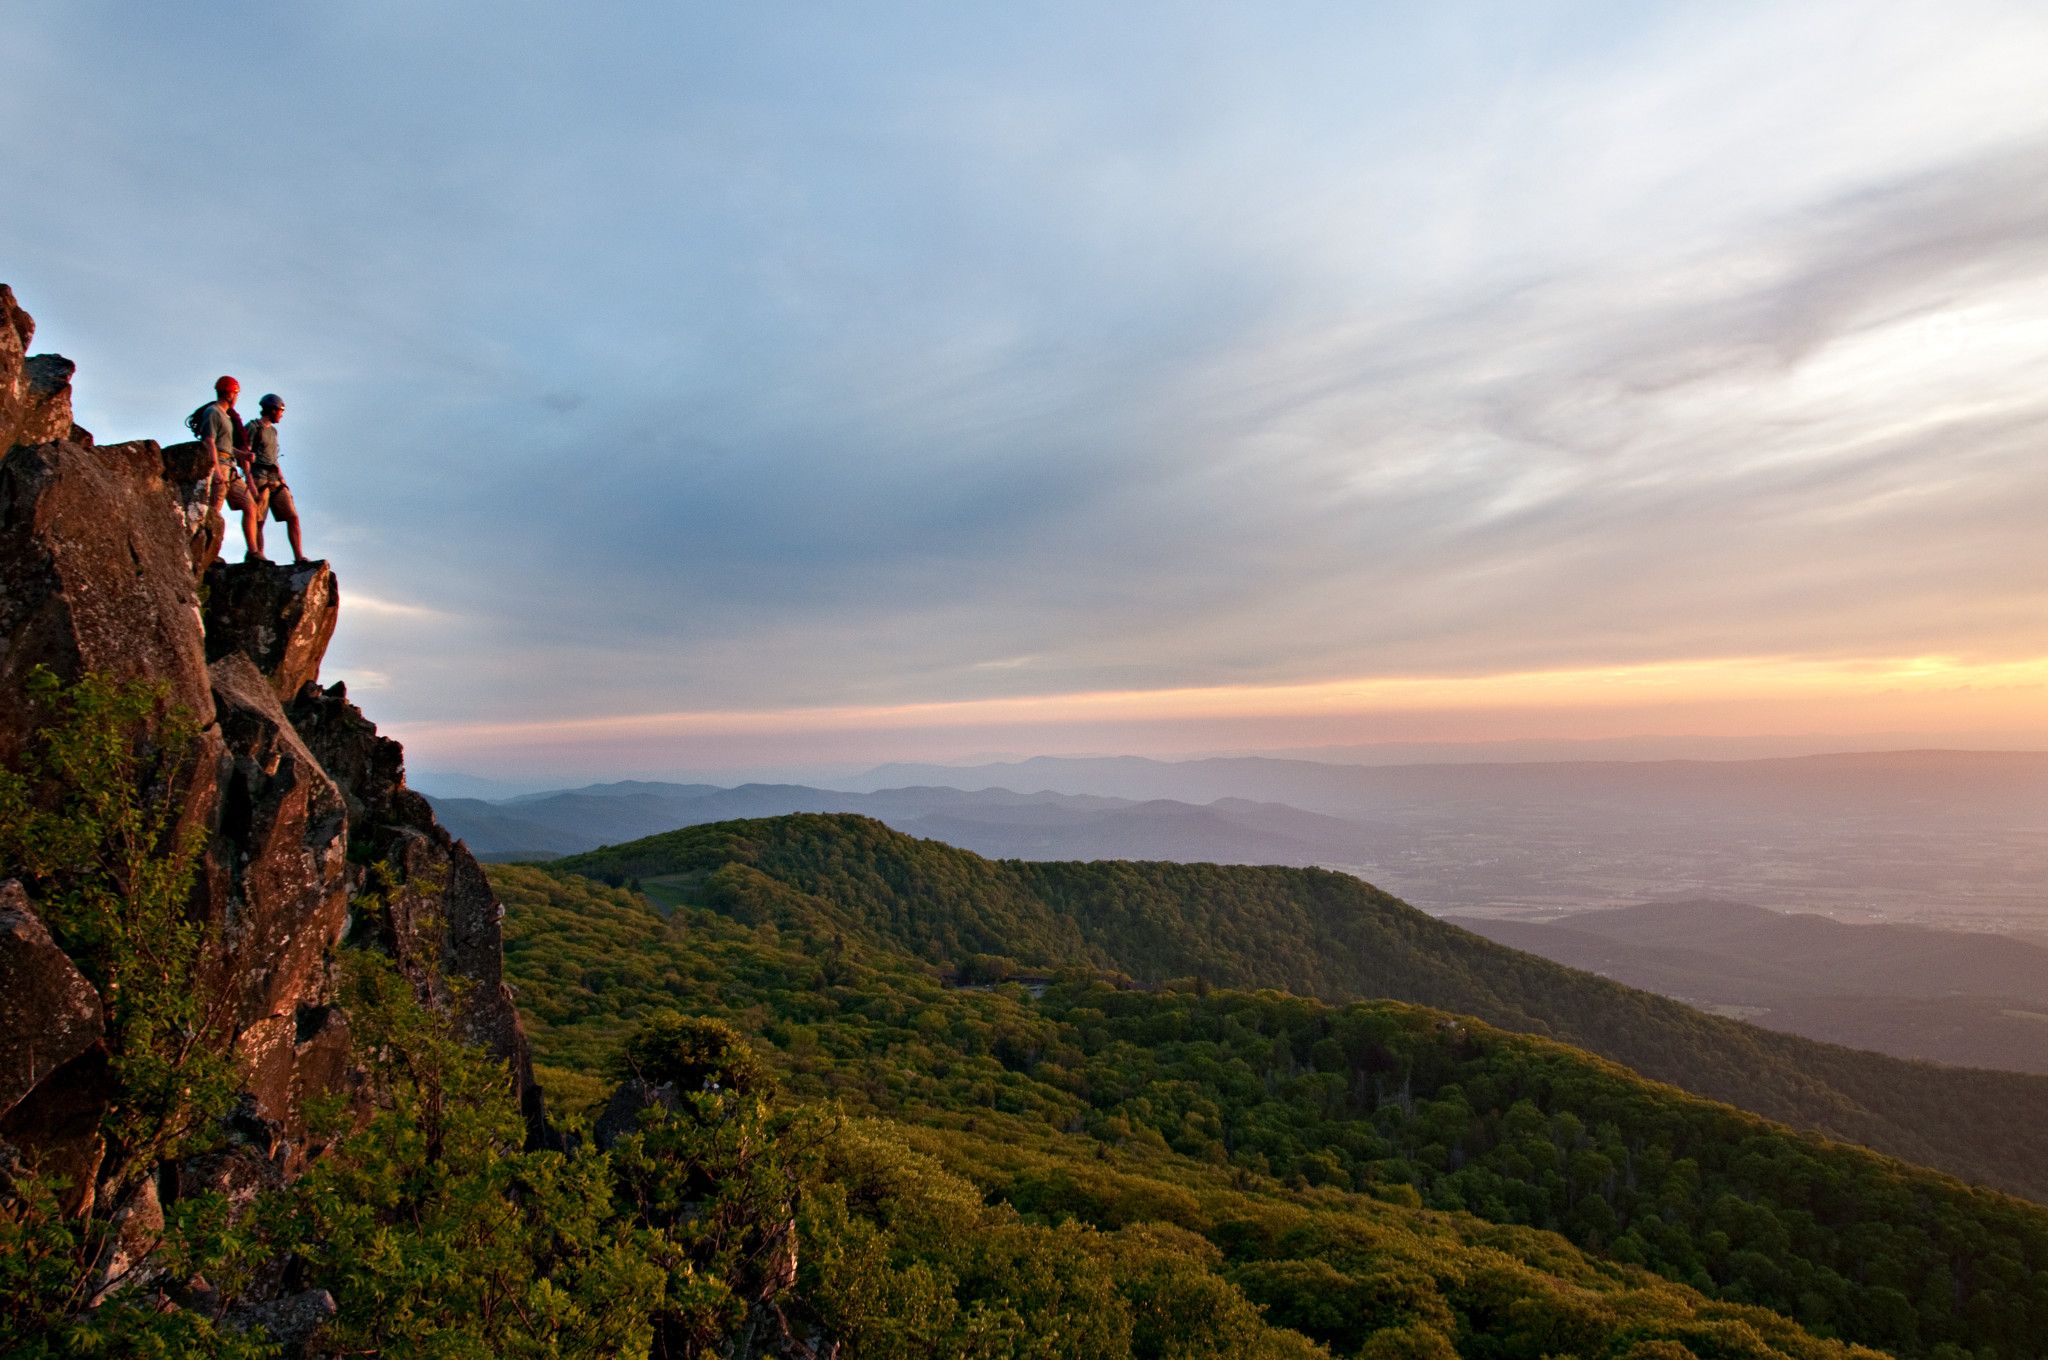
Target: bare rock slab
[280, 617]
[94, 576]
[49, 1013]
[275, 883]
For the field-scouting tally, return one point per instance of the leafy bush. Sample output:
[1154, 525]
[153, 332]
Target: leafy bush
[692, 1053]
[90, 822]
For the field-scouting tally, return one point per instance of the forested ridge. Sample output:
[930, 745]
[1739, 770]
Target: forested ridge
[1293, 1098]
[1330, 936]
[1022, 1099]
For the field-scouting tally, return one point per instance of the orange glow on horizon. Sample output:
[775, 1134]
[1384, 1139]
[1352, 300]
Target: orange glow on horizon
[1841, 695]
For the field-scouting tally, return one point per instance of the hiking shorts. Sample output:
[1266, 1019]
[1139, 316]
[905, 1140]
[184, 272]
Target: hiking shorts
[281, 507]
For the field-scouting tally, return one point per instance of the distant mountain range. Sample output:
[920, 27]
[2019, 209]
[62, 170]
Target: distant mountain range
[992, 822]
[1955, 837]
[2005, 784]
[1958, 836]
[1969, 999]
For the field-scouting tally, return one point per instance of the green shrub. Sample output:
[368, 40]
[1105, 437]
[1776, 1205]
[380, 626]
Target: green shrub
[693, 1053]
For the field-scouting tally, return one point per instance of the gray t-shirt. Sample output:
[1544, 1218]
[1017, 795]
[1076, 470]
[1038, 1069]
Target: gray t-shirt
[262, 442]
[217, 425]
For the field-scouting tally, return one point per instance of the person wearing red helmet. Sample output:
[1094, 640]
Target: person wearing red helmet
[219, 428]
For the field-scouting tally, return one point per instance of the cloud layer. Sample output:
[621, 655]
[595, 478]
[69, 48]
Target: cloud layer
[642, 361]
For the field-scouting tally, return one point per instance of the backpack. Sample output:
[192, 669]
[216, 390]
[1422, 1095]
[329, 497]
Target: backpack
[196, 421]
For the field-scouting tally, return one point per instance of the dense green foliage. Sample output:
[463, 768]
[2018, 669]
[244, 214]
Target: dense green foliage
[437, 1231]
[1291, 1102]
[1519, 1130]
[51, 1263]
[1327, 935]
[89, 824]
[433, 1228]
[440, 1236]
[836, 1145]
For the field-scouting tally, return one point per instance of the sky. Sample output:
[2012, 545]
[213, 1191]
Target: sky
[682, 387]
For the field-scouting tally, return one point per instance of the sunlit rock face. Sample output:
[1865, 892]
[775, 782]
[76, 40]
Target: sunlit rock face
[290, 790]
[279, 617]
[94, 576]
[276, 885]
[35, 389]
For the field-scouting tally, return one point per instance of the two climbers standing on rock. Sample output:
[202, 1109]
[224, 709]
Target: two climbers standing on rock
[244, 471]
[264, 489]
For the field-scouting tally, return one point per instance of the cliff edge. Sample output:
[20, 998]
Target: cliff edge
[308, 834]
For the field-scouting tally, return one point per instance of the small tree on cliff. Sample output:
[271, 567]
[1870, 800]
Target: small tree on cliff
[89, 823]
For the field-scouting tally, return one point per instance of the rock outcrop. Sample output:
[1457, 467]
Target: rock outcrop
[437, 908]
[300, 806]
[45, 1002]
[94, 576]
[281, 618]
[622, 1114]
[274, 890]
[190, 470]
[35, 390]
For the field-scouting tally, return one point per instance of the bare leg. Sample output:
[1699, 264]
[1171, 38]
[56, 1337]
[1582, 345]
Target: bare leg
[219, 495]
[197, 511]
[252, 519]
[281, 506]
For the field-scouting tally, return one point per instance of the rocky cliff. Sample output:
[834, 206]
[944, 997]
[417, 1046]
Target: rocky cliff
[309, 834]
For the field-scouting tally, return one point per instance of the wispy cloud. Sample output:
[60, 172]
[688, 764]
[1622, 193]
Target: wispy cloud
[378, 607]
[696, 363]
[356, 677]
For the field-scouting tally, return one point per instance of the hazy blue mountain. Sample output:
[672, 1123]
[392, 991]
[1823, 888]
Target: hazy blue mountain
[1802, 952]
[455, 784]
[497, 831]
[622, 788]
[1155, 830]
[1948, 996]
[994, 822]
[1959, 837]
[2014, 784]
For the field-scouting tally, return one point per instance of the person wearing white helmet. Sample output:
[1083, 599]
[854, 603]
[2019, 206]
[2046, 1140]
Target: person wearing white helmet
[267, 493]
